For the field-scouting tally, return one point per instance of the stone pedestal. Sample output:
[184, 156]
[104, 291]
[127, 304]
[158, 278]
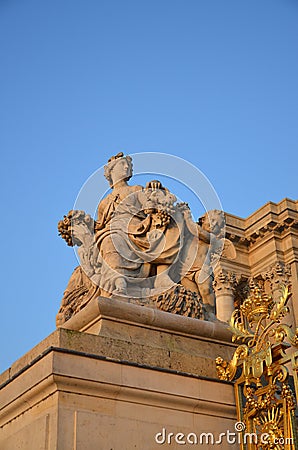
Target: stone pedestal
[120, 376]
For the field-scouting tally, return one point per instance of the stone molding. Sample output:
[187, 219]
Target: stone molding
[279, 218]
[101, 314]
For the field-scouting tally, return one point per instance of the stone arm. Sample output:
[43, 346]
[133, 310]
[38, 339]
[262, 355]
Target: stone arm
[204, 235]
[216, 243]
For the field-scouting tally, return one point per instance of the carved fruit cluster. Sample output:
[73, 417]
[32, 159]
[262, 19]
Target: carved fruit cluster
[64, 228]
[162, 219]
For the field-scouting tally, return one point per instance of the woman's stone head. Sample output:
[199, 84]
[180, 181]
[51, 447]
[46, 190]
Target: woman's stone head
[119, 168]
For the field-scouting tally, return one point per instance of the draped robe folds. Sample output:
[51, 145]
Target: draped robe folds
[129, 243]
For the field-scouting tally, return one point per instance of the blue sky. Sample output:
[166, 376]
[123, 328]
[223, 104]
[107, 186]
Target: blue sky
[213, 82]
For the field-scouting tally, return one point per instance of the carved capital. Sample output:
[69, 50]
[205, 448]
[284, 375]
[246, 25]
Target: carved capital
[224, 282]
[277, 275]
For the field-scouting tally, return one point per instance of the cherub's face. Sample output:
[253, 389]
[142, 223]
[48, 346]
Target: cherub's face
[120, 171]
[213, 222]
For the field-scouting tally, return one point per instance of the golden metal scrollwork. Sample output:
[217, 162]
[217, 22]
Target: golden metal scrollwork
[266, 392]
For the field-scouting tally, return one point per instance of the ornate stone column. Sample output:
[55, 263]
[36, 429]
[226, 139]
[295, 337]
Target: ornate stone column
[275, 277]
[224, 286]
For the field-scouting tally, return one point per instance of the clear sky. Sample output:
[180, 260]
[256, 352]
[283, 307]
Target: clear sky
[214, 82]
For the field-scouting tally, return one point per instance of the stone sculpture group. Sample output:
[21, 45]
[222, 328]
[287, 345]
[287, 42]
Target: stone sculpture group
[143, 247]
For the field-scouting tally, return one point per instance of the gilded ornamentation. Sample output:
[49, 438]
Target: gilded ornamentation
[265, 399]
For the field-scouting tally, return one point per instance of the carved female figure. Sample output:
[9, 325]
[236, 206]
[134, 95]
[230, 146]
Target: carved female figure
[118, 216]
[132, 241]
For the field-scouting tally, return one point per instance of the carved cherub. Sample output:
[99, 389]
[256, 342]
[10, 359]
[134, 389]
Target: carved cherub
[77, 228]
[203, 252]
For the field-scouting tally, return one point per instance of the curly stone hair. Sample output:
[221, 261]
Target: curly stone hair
[65, 226]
